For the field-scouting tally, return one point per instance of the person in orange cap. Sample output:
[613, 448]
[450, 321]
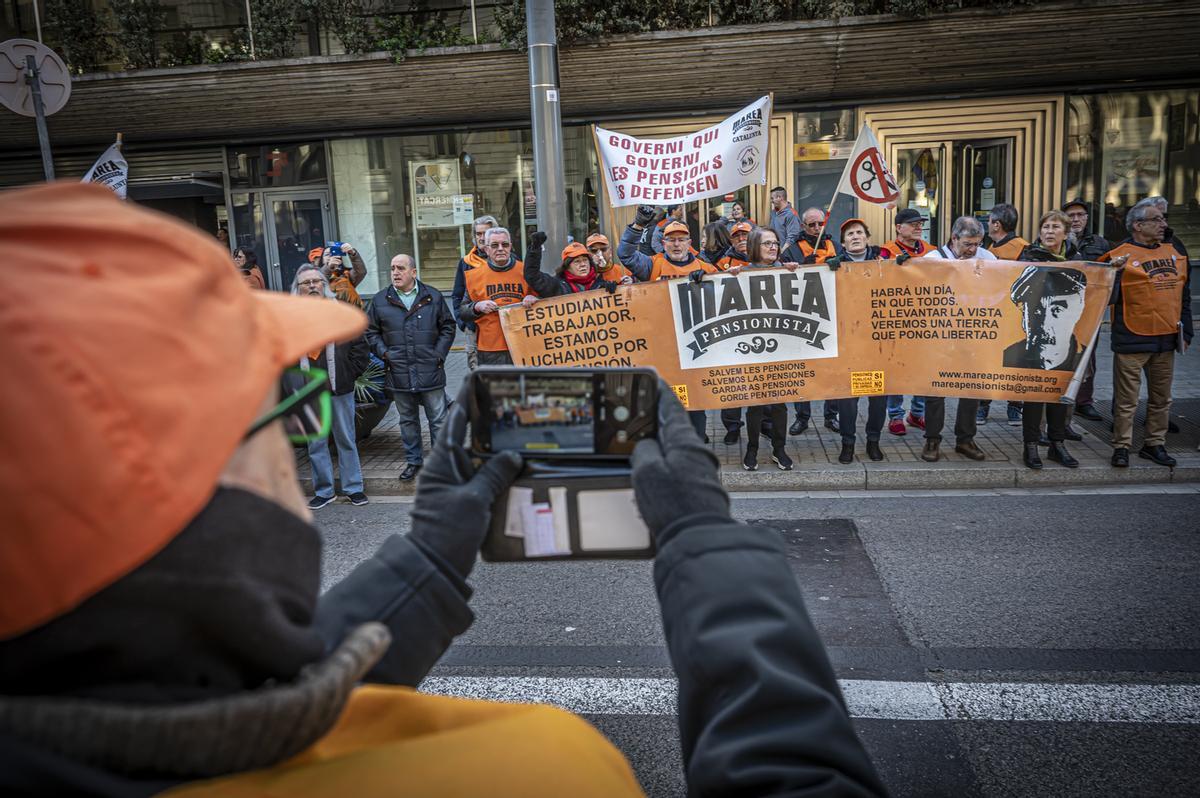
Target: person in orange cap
[315, 256]
[160, 624]
[736, 257]
[343, 281]
[609, 268]
[576, 273]
[677, 259]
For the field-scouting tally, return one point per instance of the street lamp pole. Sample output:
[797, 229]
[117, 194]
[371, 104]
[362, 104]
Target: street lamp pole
[550, 183]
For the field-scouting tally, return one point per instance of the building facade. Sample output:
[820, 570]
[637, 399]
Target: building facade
[399, 157]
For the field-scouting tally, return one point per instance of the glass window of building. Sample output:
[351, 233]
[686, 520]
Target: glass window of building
[418, 195]
[824, 140]
[1123, 147]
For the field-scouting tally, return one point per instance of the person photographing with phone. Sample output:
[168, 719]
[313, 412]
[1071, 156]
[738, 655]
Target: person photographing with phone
[169, 548]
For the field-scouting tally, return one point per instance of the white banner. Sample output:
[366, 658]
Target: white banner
[866, 175]
[717, 160]
[111, 170]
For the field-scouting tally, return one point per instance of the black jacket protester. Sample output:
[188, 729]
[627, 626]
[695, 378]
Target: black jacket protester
[413, 343]
[547, 285]
[350, 360]
[1090, 246]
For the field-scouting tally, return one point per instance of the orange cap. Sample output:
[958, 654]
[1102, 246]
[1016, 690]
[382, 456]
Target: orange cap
[574, 250]
[315, 253]
[143, 359]
[597, 238]
[741, 227]
[675, 228]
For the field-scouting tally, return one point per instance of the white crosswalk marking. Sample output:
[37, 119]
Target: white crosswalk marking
[890, 700]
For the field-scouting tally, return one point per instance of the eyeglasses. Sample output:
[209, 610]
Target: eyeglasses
[307, 283]
[774, 244]
[1154, 220]
[813, 224]
[500, 245]
[306, 409]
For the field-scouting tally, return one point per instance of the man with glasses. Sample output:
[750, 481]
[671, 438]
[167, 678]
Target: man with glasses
[1151, 320]
[908, 243]
[608, 268]
[411, 330]
[343, 363]
[475, 258]
[499, 282]
[811, 250]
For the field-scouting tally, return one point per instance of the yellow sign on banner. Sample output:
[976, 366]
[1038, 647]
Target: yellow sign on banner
[961, 328]
[866, 383]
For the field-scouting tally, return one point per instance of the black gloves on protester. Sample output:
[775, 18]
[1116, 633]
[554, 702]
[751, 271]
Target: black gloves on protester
[607, 285]
[453, 506]
[676, 470]
[536, 241]
[903, 256]
[833, 263]
[810, 259]
[644, 215]
[696, 275]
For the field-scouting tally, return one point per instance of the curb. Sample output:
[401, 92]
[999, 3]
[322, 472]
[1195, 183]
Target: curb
[900, 476]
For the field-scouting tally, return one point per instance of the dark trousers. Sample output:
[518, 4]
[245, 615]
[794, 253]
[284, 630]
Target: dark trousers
[848, 412]
[699, 421]
[777, 413]
[503, 358]
[731, 417]
[1084, 396]
[1056, 421]
[804, 409]
[964, 423]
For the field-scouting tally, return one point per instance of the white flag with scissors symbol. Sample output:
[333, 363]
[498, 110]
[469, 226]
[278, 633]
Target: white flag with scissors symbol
[867, 175]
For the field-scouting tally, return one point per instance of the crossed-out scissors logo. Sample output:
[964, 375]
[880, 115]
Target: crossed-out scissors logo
[871, 179]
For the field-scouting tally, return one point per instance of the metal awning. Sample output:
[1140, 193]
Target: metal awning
[196, 184]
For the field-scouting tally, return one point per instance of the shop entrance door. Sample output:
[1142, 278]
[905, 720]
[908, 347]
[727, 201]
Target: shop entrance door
[984, 176]
[296, 222]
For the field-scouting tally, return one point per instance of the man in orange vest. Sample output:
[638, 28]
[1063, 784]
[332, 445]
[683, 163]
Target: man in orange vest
[597, 244]
[677, 259]
[810, 250]
[1151, 321]
[499, 282]
[908, 243]
[162, 630]
[476, 256]
[1002, 239]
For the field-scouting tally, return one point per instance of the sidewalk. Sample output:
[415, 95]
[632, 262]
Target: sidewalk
[816, 451]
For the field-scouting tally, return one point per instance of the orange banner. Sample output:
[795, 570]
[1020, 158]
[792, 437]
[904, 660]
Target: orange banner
[973, 328]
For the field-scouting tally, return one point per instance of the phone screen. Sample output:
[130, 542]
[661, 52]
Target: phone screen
[541, 414]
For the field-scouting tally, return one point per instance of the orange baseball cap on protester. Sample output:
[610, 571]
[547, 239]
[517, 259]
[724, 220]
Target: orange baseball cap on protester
[574, 250]
[315, 253]
[676, 228]
[848, 222]
[138, 359]
[741, 227]
[597, 238]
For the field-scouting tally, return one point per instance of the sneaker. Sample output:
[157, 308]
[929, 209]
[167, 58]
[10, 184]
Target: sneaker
[750, 461]
[916, 421]
[781, 459]
[1014, 416]
[732, 436]
[317, 502]
[896, 427]
[799, 427]
[409, 472]
[981, 415]
[359, 499]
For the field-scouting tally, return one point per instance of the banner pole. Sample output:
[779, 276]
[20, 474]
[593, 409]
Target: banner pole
[1068, 396]
[829, 208]
[605, 208]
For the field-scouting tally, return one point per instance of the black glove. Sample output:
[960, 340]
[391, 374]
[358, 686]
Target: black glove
[697, 276]
[608, 285]
[644, 215]
[537, 240]
[903, 256]
[833, 263]
[809, 259]
[675, 476]
[453, 505]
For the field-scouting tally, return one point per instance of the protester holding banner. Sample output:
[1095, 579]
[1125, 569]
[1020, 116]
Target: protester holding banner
[677, 258]
[1151, 321]
[908, 243]
[847, 410]
[247, 263]
[737, 256]
[675, 213]
[597, 244]
[576, 273]
[499, 282]
[477, 256]
[856, 243]
[813, 246]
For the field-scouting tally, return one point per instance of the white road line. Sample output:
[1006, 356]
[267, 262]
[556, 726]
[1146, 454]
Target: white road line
[887, 700]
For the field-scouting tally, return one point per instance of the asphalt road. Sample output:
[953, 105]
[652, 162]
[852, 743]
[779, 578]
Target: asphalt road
[1024, 644]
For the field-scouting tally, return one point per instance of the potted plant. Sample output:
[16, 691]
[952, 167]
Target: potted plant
[371, 399]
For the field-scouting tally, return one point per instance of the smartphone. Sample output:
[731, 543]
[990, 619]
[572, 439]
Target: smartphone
[562, 414]
[576, 430]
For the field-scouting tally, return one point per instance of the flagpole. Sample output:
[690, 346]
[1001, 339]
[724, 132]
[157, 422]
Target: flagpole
[829, 208]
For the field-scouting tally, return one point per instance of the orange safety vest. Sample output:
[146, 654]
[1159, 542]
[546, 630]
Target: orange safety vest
[723, 264]
[615, 272]
[1151, 287]
[395, 741]
[827, 250]
[895, 247]
[1009, 250]
[473, 259]
[504, 288]
[663, 269]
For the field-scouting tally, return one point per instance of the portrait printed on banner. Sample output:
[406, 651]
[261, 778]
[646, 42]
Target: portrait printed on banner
[1051, 301]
